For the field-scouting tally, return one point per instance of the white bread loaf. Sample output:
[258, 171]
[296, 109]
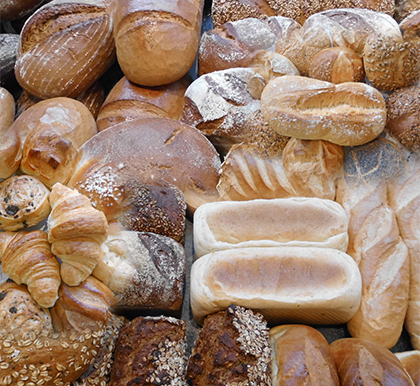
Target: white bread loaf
[295, 221]
[285, 284]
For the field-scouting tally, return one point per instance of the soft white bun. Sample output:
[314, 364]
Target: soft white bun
[285, 284]
[294, 222]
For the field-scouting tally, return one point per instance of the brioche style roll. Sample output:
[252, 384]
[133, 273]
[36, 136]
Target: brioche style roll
[348, 114]
[285, 284]
[296, 221]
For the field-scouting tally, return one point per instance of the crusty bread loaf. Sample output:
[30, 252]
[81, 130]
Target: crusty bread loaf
[152, 150]
[146, 271]
[76, 44]
[150, 351]
[15, 9]
[8, 50]
[297, 221]
[157, 41]
[233, 348]
[359, 359]
[347, 114]
[127, 101]
[337, 65]
[411, 362]
[292, 344]
[277, 282]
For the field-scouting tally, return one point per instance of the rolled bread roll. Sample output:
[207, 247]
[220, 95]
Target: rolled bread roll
[348, 114]
[295, 221]
[285, 284]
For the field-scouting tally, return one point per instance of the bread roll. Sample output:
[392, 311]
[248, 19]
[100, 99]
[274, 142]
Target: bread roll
[347, 114]
[359, 360]
[128, 101]
[24, 202]
[404, 7]
[278, 283]
[337, 65]
[8, 50]
[51, 133]
[411, 362]
[175, 154]
[76, 44]
[303, 222]
[233, 348]
[15, 9]
[146, 272]
[307, 347]
[157, 41]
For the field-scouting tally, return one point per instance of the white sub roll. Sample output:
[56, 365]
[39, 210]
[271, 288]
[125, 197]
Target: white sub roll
[294, 222]
[285, 284]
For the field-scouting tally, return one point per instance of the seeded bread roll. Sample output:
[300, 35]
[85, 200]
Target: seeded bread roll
[150, 351]
[358, 359]
[75, 41]
[233, 347]
[128, 101]
[347, 114]
[169, 152]
[146, 271]
[157, 41]
[276, 282]
[301, 344]
[411, 362]
[297, 221]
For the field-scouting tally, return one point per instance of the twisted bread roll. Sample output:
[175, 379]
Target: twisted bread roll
[374, 241]
[76, 231]
[27, 259]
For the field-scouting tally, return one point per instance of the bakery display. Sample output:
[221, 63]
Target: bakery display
[301, 354]
[24, 202]
[291, 222]
[76, 231]
[76, 44]
[233, 348]
[285, 284]
[150, 351]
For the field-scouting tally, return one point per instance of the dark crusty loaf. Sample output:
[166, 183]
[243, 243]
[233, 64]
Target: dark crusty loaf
[233, 348]
[150, 351]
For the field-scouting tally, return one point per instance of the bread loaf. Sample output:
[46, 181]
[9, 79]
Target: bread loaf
[232, 348]
[15, 9]
[360, 360]
[76, 44]
[146, 271]
[157, 41]
[128, 101]
[307, 347]
[8, 51]
[278, 283]
[347, 114]
[404, 7]
[175, 154]
[303, 222]
[411, 362]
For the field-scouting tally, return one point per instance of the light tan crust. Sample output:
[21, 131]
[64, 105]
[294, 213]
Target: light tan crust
[363, 361]
[65, 47]
[277, 283]
[76, 231]
[146, 30]
[307, 347]
[24, 202]
[347, 114]
[128, 101]
[411, 362]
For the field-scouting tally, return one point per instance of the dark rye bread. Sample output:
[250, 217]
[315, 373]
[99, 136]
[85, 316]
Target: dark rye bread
[150, 351]
[233, 347]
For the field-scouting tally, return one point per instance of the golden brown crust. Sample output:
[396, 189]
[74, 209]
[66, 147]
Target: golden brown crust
[411, 362]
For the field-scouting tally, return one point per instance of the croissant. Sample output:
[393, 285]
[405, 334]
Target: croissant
[27, 259]
[76, 231]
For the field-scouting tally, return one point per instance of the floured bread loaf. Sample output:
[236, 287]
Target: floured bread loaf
[146, 271]
[285, 284]
[297, 221]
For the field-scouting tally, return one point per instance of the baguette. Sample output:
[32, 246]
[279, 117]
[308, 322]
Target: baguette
[278, 283]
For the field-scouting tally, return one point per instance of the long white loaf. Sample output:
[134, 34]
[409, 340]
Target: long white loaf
[285, 284]
[296, 221]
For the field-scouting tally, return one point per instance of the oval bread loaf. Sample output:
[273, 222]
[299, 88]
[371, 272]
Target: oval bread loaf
[348, 114]
[297, 221]
[285, 284]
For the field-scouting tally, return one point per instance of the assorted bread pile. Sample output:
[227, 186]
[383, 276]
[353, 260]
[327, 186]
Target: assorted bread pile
[293, 150]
